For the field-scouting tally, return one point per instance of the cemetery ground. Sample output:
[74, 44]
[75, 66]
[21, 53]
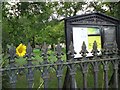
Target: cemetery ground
[38, 81]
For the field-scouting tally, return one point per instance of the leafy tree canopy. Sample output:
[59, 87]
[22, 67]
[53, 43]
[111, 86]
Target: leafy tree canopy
[42, 21]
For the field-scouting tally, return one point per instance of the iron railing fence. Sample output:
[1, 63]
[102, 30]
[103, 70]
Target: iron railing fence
[107, 56]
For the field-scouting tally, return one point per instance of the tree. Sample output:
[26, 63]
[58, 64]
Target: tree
[113, 9]
[26, 22]
[28, 19]
[109, 8]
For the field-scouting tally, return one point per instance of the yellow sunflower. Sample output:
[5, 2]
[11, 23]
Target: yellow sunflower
[21, 50]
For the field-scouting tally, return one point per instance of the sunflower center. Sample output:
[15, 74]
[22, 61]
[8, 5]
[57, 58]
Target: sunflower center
[20, 50]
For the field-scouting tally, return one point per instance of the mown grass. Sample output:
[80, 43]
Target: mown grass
[38, 81]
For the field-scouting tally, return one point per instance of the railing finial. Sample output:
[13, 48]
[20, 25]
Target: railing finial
[95, 50]
[44, 53]
[58, 51]
[115, 48]
[12, 52]
[44, 49]
[29, 51]
[71, 51]
[84, 51]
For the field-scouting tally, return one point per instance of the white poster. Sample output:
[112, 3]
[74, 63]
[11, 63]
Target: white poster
[79, 35]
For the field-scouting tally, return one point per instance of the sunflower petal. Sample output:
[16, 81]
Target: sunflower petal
[21, 50]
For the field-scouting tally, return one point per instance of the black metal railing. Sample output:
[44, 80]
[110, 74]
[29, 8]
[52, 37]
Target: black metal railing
[107, 56]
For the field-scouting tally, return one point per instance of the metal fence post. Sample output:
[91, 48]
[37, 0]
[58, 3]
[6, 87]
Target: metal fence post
[115, 65]
[12, 67]
[115, 68]
[72, 66]
[106, 54]
[84, 65]
[95, 65]
[45, 72]
[59, 69]
[30, 74]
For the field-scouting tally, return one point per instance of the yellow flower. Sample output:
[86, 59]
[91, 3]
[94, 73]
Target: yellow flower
[21, 50]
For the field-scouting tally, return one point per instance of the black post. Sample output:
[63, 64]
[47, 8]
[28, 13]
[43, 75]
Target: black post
[30, 73]
[12, 74]
[45, 72]
[95, 64]
[59, 62]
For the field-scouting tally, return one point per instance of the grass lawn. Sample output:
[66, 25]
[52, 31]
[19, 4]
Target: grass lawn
[38, 81]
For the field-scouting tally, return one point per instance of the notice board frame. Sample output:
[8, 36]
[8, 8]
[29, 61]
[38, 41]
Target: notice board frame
[90, 20]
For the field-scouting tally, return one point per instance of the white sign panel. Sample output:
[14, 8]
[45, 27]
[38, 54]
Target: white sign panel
[79, 35]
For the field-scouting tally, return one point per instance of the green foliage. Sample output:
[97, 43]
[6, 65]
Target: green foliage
[31, 23]
[40, 22]
[53, 33]
[113, 8]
